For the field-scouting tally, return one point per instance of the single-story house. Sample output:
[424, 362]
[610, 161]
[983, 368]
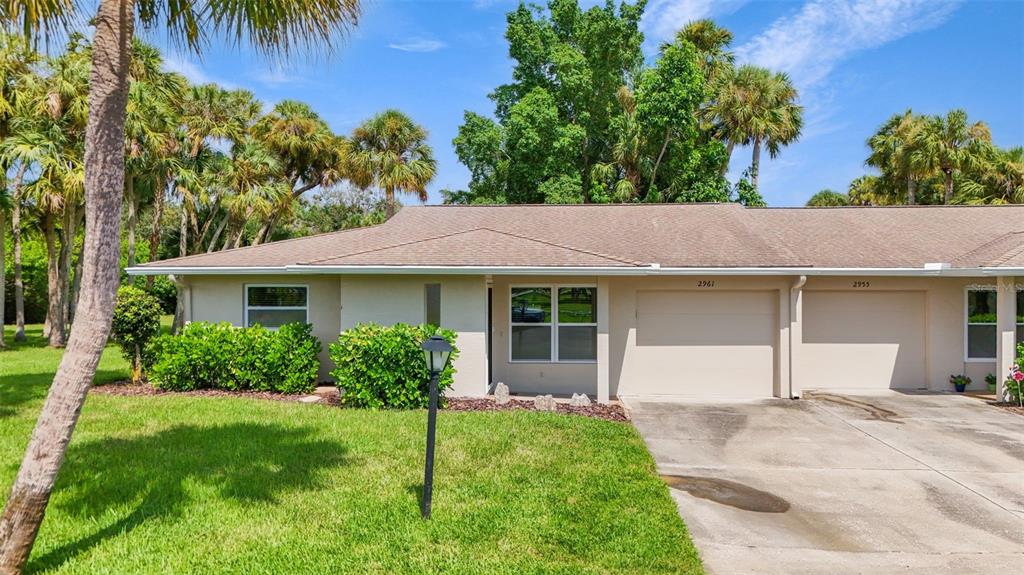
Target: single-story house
[658, 301]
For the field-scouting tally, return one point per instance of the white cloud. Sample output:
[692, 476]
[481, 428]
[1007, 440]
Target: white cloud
[275, 76]
[190, 71]
[809, 44]
[418, 45]
[663, 18]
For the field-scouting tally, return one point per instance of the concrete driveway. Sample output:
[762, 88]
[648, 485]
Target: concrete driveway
[842, 483]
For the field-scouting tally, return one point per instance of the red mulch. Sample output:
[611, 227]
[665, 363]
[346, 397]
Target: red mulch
[609, 412]
[127, 388]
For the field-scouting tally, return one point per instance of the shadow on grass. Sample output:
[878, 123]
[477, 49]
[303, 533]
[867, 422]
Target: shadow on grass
[244, 462]
[19, 389]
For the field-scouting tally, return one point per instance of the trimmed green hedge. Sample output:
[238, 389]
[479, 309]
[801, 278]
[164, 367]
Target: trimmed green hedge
[383, 367]
[220, 356]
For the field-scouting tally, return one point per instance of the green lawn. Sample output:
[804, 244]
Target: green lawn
[212, 485]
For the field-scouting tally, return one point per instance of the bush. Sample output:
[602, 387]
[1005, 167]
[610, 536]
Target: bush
[220, 356]
[136, 322]
[383, 367]
[165, 291]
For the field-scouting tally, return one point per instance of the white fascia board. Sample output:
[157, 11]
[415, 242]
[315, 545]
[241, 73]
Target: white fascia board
[652, 270]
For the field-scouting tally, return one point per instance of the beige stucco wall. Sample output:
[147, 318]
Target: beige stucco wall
[338, 302]
[401, 298]
[222, 298]
[944, 317]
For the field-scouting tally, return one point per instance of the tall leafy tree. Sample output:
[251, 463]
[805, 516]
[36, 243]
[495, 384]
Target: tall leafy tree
[828, 198]
[270, 25]
[951, 144]
[391, 152]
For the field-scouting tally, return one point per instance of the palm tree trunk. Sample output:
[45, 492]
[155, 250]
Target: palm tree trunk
[389, 203]
[238, 237]
[755, 164]
[911, 190]
[133, 218]
[54, 328]
[19, 282]
[76, 289]
[183, 230]
[729, 146]
[104, 184]
[201, 236]
[67, 247]
[948, 196]
[3, 273]
[154, 230]
[217, 233]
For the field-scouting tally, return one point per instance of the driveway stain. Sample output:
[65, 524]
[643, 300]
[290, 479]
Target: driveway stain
[728, 493]
[874, 412]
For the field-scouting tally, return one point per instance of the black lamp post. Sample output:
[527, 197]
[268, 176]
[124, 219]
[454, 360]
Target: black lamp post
[435, 351]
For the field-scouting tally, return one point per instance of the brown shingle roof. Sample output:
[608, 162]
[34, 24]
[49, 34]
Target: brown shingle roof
[670, 235]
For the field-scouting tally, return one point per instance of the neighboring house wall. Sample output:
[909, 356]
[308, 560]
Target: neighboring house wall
[402, 298]
[222, 298]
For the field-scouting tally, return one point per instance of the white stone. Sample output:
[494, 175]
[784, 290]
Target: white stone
[310, 399]
[501, 394]
[579, 400]
[544, 403]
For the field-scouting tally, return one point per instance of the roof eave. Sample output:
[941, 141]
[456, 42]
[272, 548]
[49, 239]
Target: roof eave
[571, 270]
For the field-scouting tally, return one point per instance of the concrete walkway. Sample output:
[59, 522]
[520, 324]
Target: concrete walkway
[843, 483]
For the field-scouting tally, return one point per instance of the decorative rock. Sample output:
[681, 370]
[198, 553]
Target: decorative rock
[310, 399]
[544, 403]
[501, 394]
[579, 400]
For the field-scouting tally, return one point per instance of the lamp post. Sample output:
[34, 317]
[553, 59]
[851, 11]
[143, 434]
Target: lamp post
[435, 351]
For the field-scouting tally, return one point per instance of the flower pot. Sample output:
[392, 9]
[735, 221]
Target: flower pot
[960, 387]
[991, 388]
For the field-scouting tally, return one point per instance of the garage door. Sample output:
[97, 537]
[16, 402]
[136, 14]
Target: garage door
[858, 340]
[703, 344]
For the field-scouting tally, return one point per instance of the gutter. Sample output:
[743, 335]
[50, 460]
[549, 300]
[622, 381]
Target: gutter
[929, 270]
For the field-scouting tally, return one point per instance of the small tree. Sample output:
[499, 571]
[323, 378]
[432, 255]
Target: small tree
[136, 321]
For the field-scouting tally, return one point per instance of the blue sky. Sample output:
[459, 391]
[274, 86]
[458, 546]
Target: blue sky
[855, 62]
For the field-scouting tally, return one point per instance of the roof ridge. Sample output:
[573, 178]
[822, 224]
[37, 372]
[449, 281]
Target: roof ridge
[990, 243]
[567, 247]
[1008, 254]
[390, 246]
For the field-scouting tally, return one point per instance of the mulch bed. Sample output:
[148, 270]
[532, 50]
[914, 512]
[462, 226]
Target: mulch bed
[130, 389]
[330, 397]
[1011, 407]
[609, 412]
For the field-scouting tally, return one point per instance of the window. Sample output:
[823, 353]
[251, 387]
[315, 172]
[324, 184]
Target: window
[551, 323]
[432, 304]
[275, 305]
[982, 337]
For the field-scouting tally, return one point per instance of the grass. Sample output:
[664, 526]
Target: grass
[220, 485]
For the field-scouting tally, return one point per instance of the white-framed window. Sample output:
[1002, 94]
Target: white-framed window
[980, 335]
[553, 323]
[273, 305]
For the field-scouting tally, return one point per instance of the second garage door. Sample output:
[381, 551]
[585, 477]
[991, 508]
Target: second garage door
[691, 343]
[862, 340]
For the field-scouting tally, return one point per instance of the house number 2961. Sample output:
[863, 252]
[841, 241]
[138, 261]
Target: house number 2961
[861, 284]
[705, 283]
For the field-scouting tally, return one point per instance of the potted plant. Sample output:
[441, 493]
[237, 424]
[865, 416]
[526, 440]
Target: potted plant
[990, 379]
[960, 382]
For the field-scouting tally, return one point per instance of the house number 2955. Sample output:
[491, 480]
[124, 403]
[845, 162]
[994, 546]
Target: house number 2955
[705, 283]
[861, 284]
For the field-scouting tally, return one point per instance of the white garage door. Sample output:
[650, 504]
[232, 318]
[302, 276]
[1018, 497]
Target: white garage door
[863, 340]
[691, 343]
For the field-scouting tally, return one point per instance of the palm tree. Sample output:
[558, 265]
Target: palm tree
[309, 154]
[895, 150]
[16, 61]
[1005, 176]
[712, 44]
[5, 206]
[284, 27]
[757, 107]
[390, 151]
[950, 144]
[827, 199]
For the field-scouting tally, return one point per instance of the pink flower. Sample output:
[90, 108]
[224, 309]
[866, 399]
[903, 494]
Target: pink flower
[1018, 376]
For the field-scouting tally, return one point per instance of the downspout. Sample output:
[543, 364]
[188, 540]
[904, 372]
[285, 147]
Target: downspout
[795, 319]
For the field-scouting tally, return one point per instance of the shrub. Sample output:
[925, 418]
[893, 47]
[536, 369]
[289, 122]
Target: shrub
[382, 367]
[164, 290]
[220, 356]
[136, 321]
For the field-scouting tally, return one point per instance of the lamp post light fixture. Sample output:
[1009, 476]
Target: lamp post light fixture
[436, 351]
